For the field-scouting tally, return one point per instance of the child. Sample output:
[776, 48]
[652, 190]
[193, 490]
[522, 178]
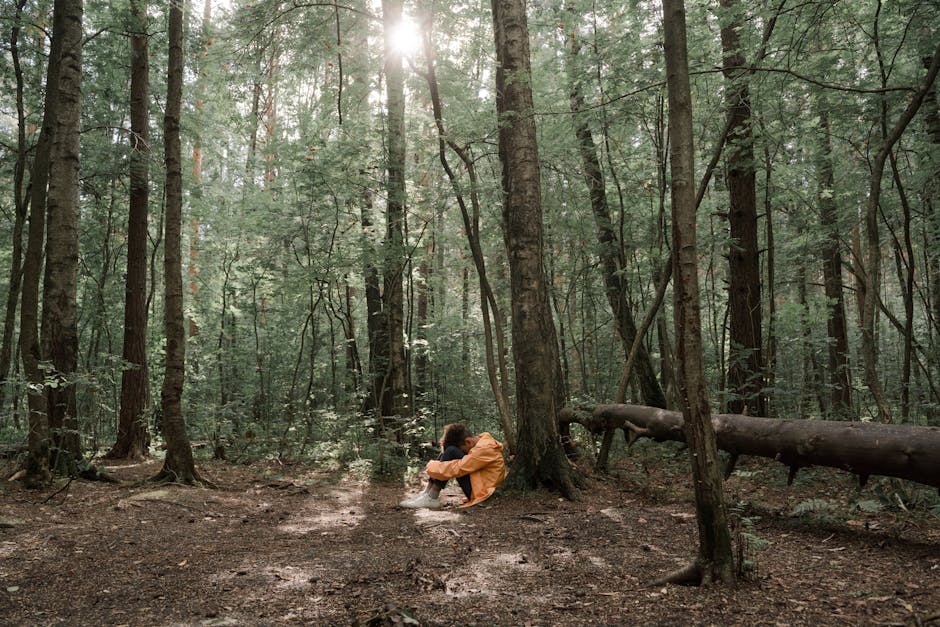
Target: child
[475, 461]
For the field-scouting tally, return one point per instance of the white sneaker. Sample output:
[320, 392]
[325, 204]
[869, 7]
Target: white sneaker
[423, 500]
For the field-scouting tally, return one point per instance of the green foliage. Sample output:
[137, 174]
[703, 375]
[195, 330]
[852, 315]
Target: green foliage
[278, 250]
[822, 509]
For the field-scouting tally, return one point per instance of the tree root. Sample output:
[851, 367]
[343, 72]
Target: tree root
[169, 477]
[690, 575]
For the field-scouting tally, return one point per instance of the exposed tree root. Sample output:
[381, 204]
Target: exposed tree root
[698, 573]
[690, 575]
[194, 479]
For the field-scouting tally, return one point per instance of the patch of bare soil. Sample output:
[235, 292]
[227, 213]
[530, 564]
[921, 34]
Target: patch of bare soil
[292, 545]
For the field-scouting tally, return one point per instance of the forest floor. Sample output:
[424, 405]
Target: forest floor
[289, 544]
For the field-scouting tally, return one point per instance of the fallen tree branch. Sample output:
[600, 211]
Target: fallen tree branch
[864, 448]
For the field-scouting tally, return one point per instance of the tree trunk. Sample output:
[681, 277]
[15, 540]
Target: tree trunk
[133, 437]
[932, 114]
[178, 466]
[864, 448]
[377, 398]
[394, 267]
[540, 459]
[496, 370]
[715, 562]
[840, 384]
[610, 248]
[745, 363]
[20, 207]
[37, 461]
[873, 242]
[60, 282]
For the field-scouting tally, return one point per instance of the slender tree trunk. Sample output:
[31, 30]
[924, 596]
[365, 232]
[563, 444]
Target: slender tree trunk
[745, 362]
[178, 466]
[540, 458]
[133, 437]
[840, 385]
[812, 376]
[715, 561]
[932, 114]
[60, 282]
[873, 241]
[496, 369]
[770, 354]
[610, 248]
[37, 462]
[377, 399]
[394, 267]
[195, 228]
[20, 207]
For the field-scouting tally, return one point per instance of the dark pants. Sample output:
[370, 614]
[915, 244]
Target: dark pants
[451, 453]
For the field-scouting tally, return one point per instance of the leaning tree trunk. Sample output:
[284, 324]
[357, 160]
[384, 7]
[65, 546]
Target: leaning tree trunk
[873, 242]
[863, 448]
[610, 248]
[715, 560]
[60, 283]
[496, 370]
[932, 115]
[540, 459]
[178, 466]
[133, 437]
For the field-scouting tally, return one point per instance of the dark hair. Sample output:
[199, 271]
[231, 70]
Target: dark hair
[454, 435]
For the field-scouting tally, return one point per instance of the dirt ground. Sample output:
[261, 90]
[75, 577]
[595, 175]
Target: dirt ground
[280, 544]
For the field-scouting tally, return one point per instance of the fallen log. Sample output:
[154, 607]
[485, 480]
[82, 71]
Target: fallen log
[864, 448]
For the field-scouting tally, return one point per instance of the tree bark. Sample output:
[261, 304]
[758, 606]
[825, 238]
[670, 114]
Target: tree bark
[873, 241]
[715, 561]
[540, 459]
[932, 115]
[745, 362]
[20, 207]
[610, 248]
[133, 438]
[178, 466]
[378, 397]
[37, 461]
[60, 282]
[496, 370]
[840, 384]
[864, 448]
[394, 267]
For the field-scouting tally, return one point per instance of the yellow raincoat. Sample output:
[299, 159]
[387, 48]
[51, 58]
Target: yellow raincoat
[484, 463]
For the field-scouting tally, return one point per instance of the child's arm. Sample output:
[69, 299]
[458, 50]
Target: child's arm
[477, 458]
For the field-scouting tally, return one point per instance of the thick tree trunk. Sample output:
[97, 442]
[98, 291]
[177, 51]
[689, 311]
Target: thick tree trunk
[394, 267]
[37, 461]
[610, 248]
[715, 561]
[864, 448]
[133, 437]
[840, 384]
[540, 459]
[745, 363]
[178, 466]
[60, 283]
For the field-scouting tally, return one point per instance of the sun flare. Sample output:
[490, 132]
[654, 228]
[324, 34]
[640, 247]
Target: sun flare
[406, 37]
